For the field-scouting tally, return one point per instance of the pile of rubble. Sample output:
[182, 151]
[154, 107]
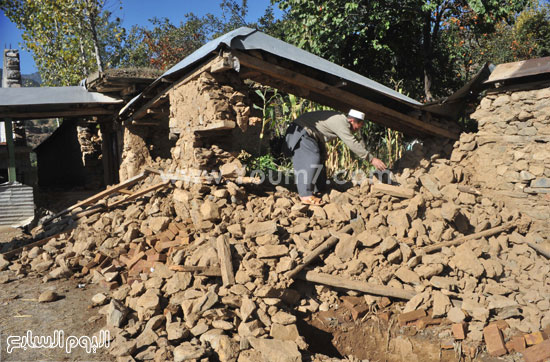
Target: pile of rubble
[217, 271]
[206, 271]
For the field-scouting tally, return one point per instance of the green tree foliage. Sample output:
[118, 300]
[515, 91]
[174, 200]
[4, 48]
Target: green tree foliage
[163, 44]
[392, 40]
[532, 30]
[525, 36]
[68, 38]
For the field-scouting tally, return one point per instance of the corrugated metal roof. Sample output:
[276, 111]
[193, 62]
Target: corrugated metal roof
[453, 106]
[524, 68]
[16, 204]
[33, 96]
[250, 39]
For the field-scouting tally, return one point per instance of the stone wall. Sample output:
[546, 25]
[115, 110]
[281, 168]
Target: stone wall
[509, 156]
[11, 76]
[199, 109]
[209, 125]
[145, 146]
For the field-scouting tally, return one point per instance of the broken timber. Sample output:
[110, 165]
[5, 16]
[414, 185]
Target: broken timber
[330, 242]
[36, 243]
[100, 195]
[217, 126]
[392, 190]
[140, 193]
[203, 270]
[539, 249]
[226, 266]
[481, 234]
[374, 111]
[339, 282]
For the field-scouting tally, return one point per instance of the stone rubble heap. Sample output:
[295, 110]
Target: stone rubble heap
[160, 257]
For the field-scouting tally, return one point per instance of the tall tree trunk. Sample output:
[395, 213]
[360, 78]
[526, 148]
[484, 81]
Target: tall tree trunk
[82, 52]
[92, 8]
[428, 55]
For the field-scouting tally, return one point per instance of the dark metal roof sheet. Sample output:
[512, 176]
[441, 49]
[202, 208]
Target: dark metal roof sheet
[524, 68]
[250, 39]
[453, 106]
[36, 96]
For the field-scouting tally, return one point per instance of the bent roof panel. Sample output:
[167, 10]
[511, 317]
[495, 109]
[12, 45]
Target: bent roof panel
[260, 41]
[250, 39]
[37, 96]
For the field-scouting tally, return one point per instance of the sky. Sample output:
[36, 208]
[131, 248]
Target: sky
[132, 12]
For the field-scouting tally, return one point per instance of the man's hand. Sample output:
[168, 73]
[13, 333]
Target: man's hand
[378, 164]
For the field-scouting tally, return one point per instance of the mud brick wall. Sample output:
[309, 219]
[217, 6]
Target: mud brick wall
[203, 102]
[144, 146]
[135, 153]
[510, 155]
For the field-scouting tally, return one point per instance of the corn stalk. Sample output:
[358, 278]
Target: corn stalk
[280, 110]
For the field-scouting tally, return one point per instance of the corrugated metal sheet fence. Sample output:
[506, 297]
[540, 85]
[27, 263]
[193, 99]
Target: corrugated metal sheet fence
[16, 204]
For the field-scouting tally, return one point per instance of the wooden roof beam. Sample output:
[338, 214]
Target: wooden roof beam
[377, 112]
[340, 104]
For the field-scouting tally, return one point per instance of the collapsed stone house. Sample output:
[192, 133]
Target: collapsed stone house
[199, 115]
[206, 107]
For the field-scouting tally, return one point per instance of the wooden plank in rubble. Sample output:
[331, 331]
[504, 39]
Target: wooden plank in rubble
[100, 195]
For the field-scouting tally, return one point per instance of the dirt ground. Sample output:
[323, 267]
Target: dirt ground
[7, 233]
[20, 312]
[334, 334]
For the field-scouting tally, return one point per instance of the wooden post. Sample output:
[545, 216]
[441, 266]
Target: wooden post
[210, 271]
[139, 193]
[11, 150]
[482, 234]
[393, 190]
[99, 196]
[109, 168]
[226, 265]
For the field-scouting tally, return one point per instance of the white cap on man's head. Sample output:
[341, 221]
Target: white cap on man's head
[356, 114]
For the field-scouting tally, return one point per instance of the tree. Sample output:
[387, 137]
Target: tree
[165, 44]
[392, 40]
[532, 30]
[68, 38]
[525, 36]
